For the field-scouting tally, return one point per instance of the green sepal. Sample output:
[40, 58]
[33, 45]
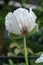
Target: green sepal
[14, 36]
[33, 31]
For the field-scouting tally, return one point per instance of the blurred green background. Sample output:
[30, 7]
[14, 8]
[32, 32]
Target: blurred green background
[34, 42]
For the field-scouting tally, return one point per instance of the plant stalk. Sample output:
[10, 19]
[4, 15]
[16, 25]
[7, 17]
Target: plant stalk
[25, 51]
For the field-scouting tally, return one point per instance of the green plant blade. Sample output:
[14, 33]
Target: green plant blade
[11, 62]
[32, 32]
[14, 36]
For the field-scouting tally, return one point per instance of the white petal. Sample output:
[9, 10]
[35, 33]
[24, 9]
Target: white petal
[31, 21]
[40, 59]
[18, 14]
[25, 16]
[11, 24]
[31, 25]
[22, 16]
[32, 15]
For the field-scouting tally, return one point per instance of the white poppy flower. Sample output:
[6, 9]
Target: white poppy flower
[40, 59]
[20, 21]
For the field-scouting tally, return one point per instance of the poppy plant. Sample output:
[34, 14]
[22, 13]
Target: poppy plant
[21, 22]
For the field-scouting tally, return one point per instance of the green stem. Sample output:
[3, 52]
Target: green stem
[25, 51]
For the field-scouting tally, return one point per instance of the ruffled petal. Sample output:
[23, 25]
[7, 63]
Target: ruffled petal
[40, 59]
[31, 20]
[31, 24]
[22, 16]
[32, 15]
[12, 24]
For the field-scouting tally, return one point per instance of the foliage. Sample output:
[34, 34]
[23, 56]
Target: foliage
[33, 62]
[3, 14]
[41, 4]
[1, 21]
[35, 42]
[12, 63]
[22, 1]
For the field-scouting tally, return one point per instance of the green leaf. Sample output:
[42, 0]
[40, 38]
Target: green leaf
[5, 64]
[11, 62]
[22, 64]
[14, 36]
